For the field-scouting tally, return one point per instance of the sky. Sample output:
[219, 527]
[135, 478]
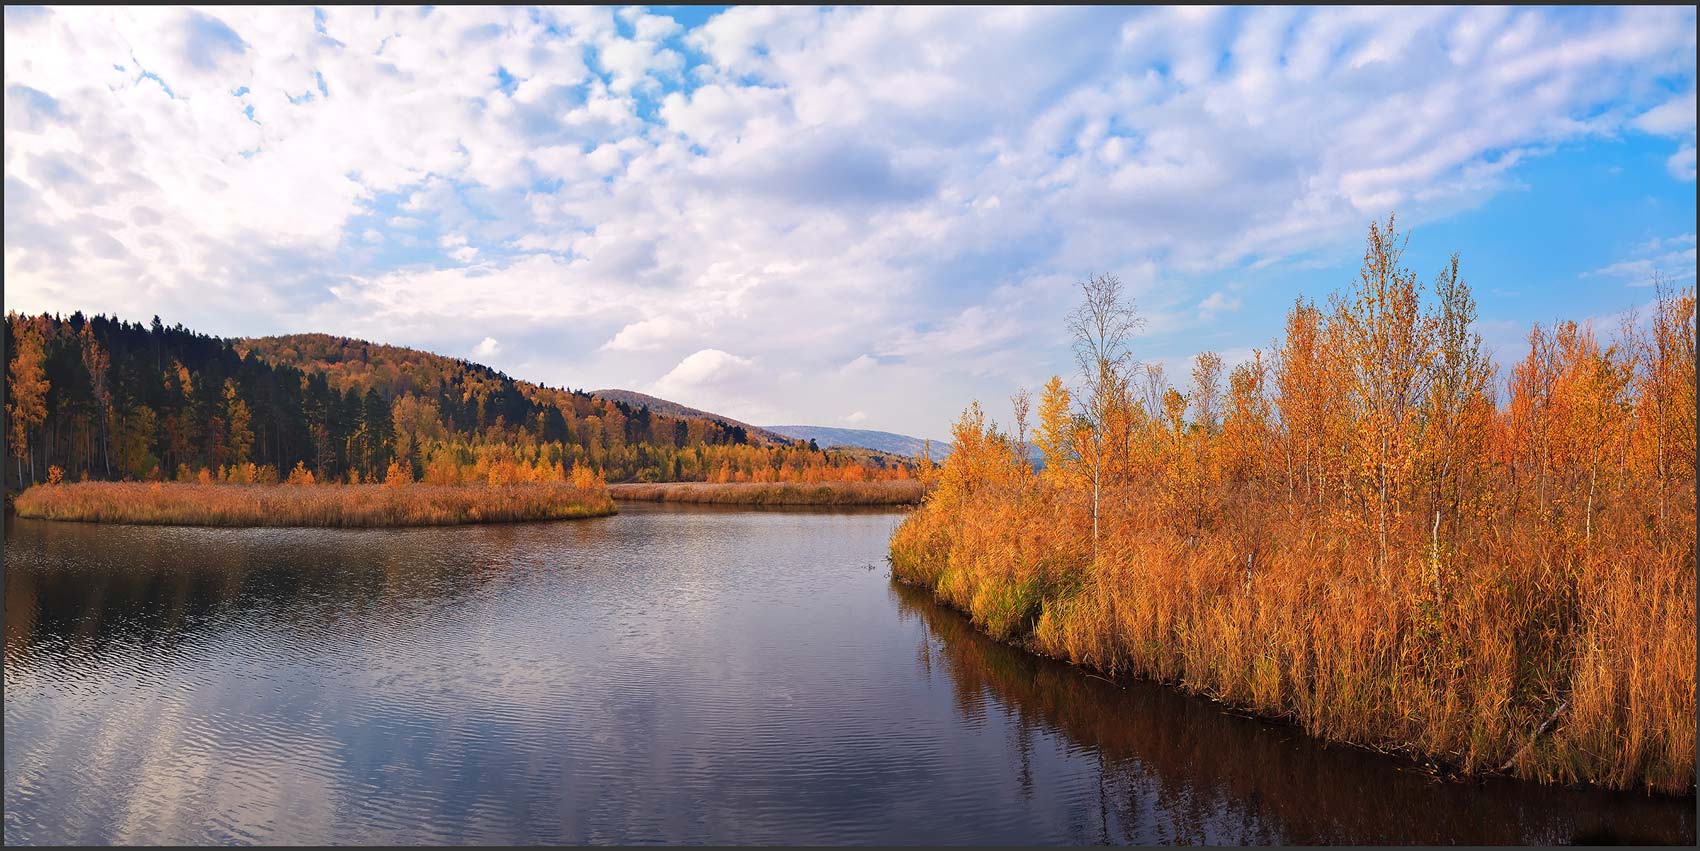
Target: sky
[846, 217]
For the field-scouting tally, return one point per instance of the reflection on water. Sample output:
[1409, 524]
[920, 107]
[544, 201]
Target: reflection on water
[1177, 769]
[671, 674]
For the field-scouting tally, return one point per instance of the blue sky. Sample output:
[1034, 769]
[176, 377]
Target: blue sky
[849, 217]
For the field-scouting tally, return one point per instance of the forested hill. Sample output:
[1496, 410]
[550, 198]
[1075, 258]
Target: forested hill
[103, 398]
[656, 404]
[397, 371]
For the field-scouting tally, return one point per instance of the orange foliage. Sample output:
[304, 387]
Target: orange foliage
[300, 475]
[398, 475]
[1359, 537]
[181, 503]
[889, 492]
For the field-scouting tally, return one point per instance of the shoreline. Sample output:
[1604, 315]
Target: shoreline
[308, 506]
[893, 492]
[1432, 765]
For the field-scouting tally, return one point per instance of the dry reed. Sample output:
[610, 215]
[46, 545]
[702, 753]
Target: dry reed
[187, 504]
[890, 492]
[1495, 587]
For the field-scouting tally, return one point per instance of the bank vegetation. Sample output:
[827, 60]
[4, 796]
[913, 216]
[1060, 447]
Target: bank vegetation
[1367, 529]
[887, 492]
[303, 502]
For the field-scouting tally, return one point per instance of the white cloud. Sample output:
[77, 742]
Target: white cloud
[703, 370]
[1217, 303]
[1671, 118]
[645, 335]
[860, 366]
[1681, 163]
[876, 197]
[1671, 257]
[1675, 117]
[486, 347]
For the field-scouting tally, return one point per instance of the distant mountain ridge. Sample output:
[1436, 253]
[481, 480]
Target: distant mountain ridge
[757, 434]
[884, 441]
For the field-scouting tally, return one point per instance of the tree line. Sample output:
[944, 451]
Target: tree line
[101, 398]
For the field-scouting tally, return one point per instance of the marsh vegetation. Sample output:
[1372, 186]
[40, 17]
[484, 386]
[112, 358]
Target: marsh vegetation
[1365, 532]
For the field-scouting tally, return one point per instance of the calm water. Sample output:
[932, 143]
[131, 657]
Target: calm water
[667, 675]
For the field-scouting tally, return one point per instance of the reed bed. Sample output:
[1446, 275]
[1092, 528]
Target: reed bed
[1365, 539]
[1536, 657]
[890, 492]
[191, 504]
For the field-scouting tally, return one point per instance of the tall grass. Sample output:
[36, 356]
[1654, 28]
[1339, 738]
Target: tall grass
[1529, 625]
[1208, 762]
[888, 492]
[1494, 587]
[188, 504]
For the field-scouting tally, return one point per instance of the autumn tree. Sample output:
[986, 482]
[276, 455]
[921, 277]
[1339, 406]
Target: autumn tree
[99, 363]
[1245, 428]
[26, 406]
[238, 425]
[1302, 391]
[1054, 434]
[1458, 411]
[1665, 387]
[418, 424]
[1523, 439]
[1385, 344]
[378, 433]
[1588, 410]
[1207, 391]
[1021, 404]
[1101, 327]
[135, 441]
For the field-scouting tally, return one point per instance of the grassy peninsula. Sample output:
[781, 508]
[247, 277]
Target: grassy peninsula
[334, 505]
[887, 492]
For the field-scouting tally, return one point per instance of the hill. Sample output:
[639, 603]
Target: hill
[483, 393]
[101, 398]
[883, 441]
[632, 399]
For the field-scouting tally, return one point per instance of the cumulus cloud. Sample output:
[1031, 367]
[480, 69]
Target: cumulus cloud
[1675, 117]
[1217, 303]
[645, 335]
[1670, 257]
[906, 191]
[486, 347]
[706, 370]
[860, 366]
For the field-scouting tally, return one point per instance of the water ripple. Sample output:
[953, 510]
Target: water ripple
[667, 675]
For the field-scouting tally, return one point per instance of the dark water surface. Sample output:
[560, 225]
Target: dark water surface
[667, 675]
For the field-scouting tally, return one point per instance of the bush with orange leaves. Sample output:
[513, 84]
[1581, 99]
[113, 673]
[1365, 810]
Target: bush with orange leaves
[1369, 542]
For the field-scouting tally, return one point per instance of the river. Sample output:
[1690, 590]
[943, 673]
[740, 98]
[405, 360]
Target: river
[672, 674]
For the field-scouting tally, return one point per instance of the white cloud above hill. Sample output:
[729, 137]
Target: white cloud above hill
[626, 202]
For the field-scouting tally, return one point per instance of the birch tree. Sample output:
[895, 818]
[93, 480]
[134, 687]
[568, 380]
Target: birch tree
[1101, 327]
